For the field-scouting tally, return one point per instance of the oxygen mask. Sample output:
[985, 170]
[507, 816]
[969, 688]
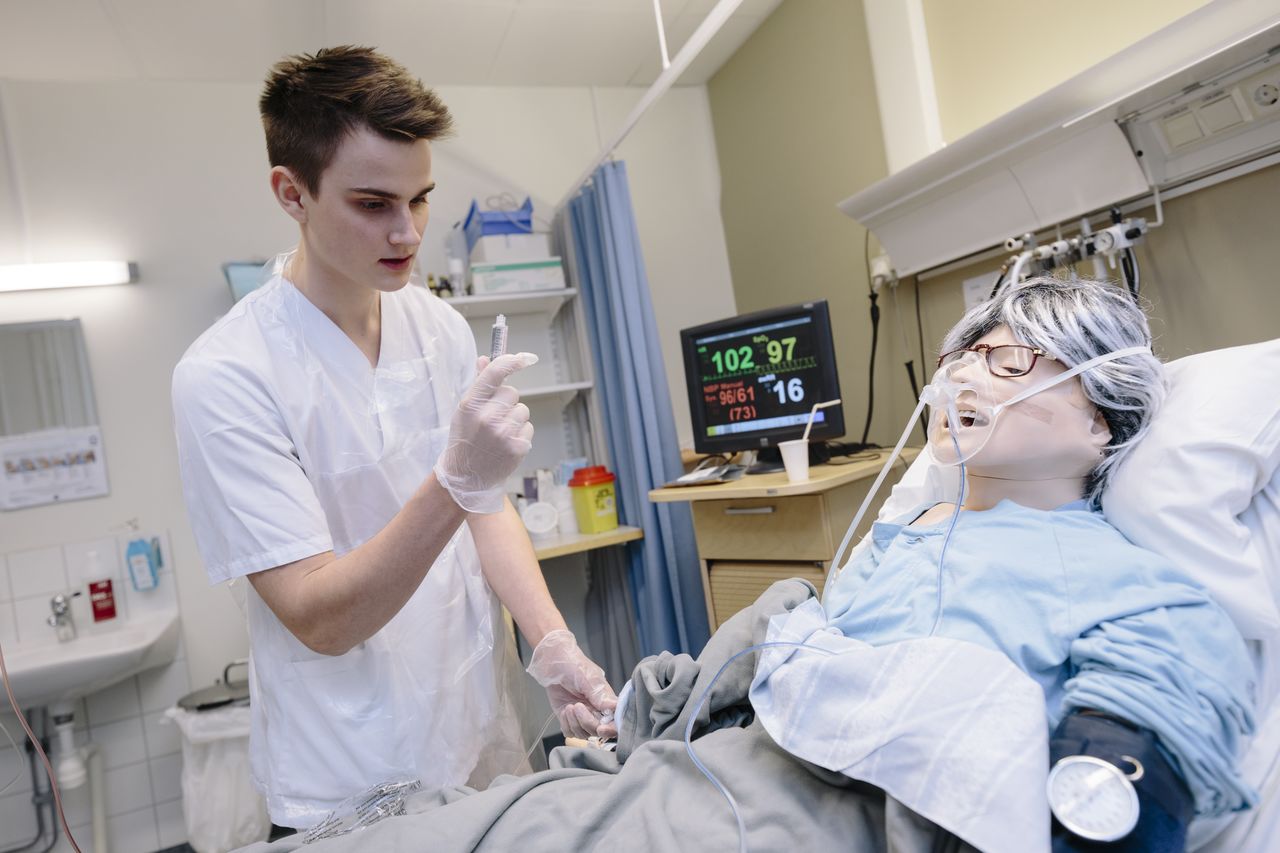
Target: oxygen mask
[962, 415]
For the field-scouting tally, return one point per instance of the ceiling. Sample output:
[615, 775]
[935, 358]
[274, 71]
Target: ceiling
[445, 42]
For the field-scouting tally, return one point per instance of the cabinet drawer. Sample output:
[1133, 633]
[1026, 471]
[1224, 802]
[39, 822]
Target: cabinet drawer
[735, 586]
[786, 528]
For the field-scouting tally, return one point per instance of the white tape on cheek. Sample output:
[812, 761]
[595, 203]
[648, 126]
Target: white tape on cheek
[1031, 410]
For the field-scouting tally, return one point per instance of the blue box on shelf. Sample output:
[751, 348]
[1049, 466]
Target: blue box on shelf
[483, 223]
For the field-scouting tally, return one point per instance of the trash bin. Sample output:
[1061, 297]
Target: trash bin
[222, 809]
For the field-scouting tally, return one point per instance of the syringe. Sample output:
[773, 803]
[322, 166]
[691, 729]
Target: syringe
[498, 343]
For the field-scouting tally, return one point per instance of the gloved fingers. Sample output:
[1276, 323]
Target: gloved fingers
[481, 363]
[519, 414]
[496, 372]
[577, 720]
[526, 435]
[607, 730]
[603, 699]
[503, 398]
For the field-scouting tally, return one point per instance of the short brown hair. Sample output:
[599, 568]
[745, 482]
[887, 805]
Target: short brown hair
[311, 102]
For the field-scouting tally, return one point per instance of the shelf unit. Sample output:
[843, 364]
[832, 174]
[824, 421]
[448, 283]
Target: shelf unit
[562, 545]
[558, 389]
[546, 302]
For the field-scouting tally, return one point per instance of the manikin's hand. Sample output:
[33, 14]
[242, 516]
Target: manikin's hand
[576, 687]
[488, 437]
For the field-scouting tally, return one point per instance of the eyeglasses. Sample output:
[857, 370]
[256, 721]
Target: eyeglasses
[1005, 360]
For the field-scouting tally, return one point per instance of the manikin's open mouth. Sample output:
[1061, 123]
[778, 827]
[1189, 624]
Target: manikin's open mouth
[968, 418]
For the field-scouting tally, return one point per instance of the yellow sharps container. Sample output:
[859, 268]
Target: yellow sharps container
[594, 499]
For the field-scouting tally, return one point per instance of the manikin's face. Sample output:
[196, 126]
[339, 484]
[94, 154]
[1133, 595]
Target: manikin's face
[365, 223]
[1054, 434]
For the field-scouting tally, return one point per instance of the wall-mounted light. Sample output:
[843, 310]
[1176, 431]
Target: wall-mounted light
[69, 274]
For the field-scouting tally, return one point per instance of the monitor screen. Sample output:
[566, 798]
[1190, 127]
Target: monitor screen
[243, 277]
[754, 379]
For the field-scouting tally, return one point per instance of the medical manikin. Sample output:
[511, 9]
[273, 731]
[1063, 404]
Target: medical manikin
[1036, 398]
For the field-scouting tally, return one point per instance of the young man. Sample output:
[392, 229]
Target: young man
[333, 438]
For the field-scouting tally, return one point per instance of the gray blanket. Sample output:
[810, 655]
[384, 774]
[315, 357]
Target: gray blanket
[648, 795]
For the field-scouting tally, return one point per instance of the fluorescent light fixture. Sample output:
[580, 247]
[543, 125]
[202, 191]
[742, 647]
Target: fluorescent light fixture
[71, 274]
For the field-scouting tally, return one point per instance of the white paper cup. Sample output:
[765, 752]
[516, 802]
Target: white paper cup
[795, 458]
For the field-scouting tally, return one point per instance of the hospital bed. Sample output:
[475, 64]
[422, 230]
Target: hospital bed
[1203, 489]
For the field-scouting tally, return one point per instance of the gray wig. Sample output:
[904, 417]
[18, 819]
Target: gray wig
[1074, 321]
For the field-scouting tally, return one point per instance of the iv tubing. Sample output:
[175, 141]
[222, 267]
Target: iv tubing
[875, 487]
[697, 709]
[537, 740]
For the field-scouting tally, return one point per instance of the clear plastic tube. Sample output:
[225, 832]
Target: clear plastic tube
[537, 740]
[697, 709]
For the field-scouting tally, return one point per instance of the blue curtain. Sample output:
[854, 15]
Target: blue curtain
[665, 579]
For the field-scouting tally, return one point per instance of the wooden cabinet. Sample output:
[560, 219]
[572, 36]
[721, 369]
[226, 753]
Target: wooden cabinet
[761, 529]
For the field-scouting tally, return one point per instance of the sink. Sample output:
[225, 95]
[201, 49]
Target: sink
[41, 675]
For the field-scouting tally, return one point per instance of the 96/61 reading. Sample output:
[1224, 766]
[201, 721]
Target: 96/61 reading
[739, 399]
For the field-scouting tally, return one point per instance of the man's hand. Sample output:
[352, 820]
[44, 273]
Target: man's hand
[576, 687]
[489, 436]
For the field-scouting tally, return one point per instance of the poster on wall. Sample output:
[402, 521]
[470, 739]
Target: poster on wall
[51, 466]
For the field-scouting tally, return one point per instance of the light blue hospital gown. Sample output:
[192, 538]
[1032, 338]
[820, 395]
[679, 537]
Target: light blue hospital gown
[1097, 621]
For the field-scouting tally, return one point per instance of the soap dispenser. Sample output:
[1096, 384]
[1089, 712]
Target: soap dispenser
[102, 597]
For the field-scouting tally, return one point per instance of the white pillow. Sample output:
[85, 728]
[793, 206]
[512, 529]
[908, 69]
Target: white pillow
[1187, 490]
[1202, 488]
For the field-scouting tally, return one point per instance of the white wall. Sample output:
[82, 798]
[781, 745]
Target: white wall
[173, 176]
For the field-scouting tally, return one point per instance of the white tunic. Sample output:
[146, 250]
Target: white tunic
[290, 445]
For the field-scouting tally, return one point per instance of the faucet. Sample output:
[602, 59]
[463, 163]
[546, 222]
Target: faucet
[60, 619]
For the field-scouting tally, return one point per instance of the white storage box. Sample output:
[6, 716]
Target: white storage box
[511, 248]
[546, 274]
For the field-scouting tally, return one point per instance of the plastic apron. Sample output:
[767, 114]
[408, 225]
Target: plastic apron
[422, 698]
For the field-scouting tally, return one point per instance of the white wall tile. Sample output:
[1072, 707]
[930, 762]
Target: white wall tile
[29, 616]
[14, 770]
[84, 837]
[114, 703]
[163, 598]
[172, 824]
[17, 820]
[128, 788]
[162, 734]
[38, 572]
[122, 743]
[163, 686]
[76, 558]
[166, 778]
[5, 592]
[8, 625]
[135, 831]
[9, 721]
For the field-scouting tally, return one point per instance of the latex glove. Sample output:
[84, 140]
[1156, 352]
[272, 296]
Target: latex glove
[489, 436]
[575, 685]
